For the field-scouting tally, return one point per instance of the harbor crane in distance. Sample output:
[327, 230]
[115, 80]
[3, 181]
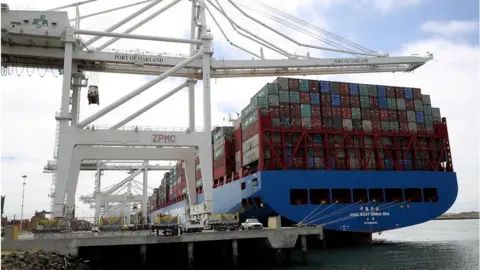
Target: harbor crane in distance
[47, 40]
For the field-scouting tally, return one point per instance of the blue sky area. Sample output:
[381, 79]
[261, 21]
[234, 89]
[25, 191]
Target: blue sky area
[388, 31]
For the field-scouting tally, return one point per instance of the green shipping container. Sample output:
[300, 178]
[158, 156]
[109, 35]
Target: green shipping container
[305, 110]
[356, 113]
[335, 87]
[275, 122]
[250, 119]
[364, 102]
[268, 89]
[392, 103]
[304, 85]
[394, 125]
[294, 97]
[223, 131]
[427, 109]
[363, 89]
[428, 119]
[307, 122]
[257, 102]
[385, 125]
[372, 90]
[284, 96]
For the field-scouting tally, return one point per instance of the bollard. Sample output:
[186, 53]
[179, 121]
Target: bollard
[190, 255]
[304, 250]
[235, 253]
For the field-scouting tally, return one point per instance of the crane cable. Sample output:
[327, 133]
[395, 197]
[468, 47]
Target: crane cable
[307, 217]
[305, 23]
[299, 29]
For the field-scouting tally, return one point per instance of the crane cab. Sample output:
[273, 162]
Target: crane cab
[93, 97]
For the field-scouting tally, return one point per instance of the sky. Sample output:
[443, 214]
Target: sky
[448, 30]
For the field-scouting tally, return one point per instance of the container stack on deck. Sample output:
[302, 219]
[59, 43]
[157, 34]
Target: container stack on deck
[307, 124]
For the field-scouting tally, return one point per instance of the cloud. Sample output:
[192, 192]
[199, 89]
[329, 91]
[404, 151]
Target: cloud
[28, 103]
[450, 28]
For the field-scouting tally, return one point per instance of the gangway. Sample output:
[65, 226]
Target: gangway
[46, 39]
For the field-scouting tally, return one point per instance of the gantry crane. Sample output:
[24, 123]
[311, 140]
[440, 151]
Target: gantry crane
[46, 39]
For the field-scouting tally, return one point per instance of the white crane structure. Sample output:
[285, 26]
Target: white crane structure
[46, 39]
[119, 197]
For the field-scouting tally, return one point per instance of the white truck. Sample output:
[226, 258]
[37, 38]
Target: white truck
[192, 225]
[251, 224]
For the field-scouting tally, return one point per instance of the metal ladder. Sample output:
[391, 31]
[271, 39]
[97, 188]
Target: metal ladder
[54, 174]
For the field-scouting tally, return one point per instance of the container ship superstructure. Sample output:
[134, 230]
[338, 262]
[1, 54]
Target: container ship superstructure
[350, 157]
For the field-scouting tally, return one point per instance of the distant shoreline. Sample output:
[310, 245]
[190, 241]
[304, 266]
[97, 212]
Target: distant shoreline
[455, 218]
[463, 215]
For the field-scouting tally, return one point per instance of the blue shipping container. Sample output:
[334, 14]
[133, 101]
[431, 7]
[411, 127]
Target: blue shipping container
[388, 164]
[324, 87]
[382, 102]
[353, 88]
[335, 100]
[408, 93]
[315, 98]
[420, 117]
[311, 162]
[382, 91]
[407, 164]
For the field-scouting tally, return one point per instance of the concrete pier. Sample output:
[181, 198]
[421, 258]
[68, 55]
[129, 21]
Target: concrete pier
[282, 241]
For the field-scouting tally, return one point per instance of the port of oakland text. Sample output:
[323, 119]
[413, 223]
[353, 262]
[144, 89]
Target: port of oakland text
[370, 214]
[163, 138]
[144, 58]
[351, 61]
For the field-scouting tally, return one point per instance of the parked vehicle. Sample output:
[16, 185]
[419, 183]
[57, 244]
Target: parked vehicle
[192, 225]
[251, 224]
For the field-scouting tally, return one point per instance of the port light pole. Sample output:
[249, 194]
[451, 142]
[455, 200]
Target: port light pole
[23, 196]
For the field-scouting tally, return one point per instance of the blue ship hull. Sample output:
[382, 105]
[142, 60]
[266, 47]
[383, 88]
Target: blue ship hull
[267, 193]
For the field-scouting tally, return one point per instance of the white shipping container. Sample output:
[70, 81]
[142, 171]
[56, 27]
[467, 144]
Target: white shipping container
[386, 140]
[238, 166]
[367, 125]
[381, 154]
[341, 153]
[347, 124]
[251, 155]
[418, 104]
[238, 156]
[412, 127]
[250, 143]
[354, 163]
[318, 163]
[401, 104]
[368, 141]
[218, 143]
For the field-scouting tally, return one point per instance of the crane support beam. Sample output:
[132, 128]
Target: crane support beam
[140, 37]
[111, 10]
[93, 167]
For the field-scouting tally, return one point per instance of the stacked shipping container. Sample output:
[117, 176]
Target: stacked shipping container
[307, 124]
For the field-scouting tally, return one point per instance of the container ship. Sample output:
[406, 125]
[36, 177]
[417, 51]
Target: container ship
[351, 157]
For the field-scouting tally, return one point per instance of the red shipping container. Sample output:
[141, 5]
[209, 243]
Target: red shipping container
[340, 163]
[326, 111]
[345, 101]
[373, 102]
[390, 92]
[250, 131]
[366, 114]
[296, 122]
[316, 111]
[317, 123]
[355, 101]
[384, 115]
[347, 113]
[293, 84]
[295, 110]
[314, 86]
[222, 171]
[198, 174]
[417, 93]
[402, 116]
[375, 114]
[421, 127]
[284, 109]
[336, 112]
[274, 111]
[305, 97]
[344, 89]
[298, 162]
[392, 115]
[237, 134]
[399, 92]
[376, 126]
[325, 99]
[410, 104]
[403, 127]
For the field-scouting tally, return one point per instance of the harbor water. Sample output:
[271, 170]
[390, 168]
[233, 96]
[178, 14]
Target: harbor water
[440, 244]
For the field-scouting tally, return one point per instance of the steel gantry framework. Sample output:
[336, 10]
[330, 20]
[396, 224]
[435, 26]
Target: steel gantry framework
[45, 39]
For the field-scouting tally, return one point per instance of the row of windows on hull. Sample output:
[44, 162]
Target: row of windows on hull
[362, 195]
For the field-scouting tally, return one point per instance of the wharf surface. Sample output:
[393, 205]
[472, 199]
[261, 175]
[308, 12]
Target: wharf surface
[279, 239]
